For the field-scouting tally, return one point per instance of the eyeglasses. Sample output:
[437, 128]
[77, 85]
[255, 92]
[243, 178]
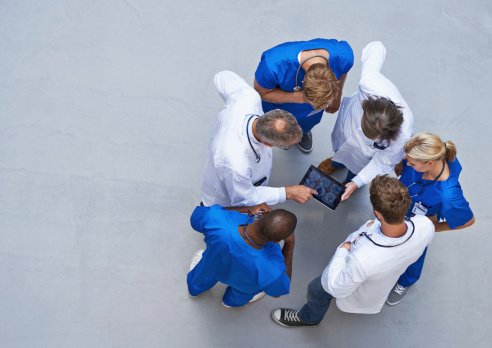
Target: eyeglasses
[285, 147]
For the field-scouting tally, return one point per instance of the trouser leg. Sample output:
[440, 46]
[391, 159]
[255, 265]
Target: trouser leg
[318, 302]
[196, 284]
[235, 298]
[412, 274]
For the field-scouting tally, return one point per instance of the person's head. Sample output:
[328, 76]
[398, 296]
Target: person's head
[424, 149]
[320, 85]
[381, 119]
[278, 128]
[389, 198]
[276, 225]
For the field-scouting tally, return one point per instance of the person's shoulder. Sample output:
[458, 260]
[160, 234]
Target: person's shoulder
[422, 222]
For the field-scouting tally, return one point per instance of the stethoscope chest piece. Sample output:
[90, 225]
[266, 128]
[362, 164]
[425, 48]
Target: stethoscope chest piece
[297, 88]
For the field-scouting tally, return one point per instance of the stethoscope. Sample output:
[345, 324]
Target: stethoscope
[258, 158]
[364, 234]
[422, 185]
[298, 88]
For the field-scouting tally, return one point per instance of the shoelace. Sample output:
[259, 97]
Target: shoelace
[292, 315]
[399, 289]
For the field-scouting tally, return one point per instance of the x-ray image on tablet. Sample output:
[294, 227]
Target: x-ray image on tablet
[329, 190]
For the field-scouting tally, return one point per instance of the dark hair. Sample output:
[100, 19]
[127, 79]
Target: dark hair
[278, 128]
[277, 225]
[381, 119]
[390, 198]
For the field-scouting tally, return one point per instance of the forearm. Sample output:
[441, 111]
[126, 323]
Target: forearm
[243, 209]
[341, 83]
[443, 226]
[288, 253]
[279, 96]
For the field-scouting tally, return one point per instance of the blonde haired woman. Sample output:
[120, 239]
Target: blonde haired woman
[430, 171]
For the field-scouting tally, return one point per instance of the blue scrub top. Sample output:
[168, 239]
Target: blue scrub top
[230, 260]
[444, 198]
[278, 68]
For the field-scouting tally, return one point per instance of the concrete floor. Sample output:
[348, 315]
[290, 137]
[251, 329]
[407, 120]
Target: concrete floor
[105, 117]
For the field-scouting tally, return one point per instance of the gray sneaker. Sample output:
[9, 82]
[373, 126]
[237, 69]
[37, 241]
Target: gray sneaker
[397, 294]
[306, 143]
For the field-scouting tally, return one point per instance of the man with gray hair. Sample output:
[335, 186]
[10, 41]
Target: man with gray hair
[239, 162]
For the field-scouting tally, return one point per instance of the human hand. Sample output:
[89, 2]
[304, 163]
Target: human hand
[349, 189]
[259, 209]
[399, 168]
[299, 193]
[346, 245]
[334, 105]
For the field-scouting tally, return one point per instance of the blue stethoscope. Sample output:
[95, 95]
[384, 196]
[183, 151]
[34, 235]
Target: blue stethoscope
[298, 88]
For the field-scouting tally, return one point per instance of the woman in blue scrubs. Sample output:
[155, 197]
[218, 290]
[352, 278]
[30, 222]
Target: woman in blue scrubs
[430, 171]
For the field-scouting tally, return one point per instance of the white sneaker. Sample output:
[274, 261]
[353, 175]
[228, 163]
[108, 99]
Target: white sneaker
[196, 258]
[257, 297]
[194, 261]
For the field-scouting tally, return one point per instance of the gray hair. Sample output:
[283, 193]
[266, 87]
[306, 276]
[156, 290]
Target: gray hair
[382, 119]
[278, 128]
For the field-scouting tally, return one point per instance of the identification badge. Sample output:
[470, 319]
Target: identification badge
[419, 209]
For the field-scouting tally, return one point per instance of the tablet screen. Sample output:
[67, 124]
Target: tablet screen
[329, 190]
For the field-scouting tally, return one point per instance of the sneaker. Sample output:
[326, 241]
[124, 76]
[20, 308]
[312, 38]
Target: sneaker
[397, 294]
[306, 143]
[257, 297]
[194, 261]
[289, 318]
[326, 166]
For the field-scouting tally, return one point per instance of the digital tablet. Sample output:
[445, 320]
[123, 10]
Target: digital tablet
[329, 190]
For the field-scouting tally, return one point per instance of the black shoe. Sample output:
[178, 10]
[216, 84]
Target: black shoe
[306, 143]
[289, 318]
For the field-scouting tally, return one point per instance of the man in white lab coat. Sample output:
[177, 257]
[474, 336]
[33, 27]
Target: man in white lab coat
[365, 267]
[372, 125]
[239, 162]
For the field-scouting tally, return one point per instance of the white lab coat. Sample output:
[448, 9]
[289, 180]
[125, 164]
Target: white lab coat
[362, 278]
[231, 167]
[352, 147]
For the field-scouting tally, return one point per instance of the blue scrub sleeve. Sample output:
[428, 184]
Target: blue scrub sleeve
[200, 218]
[344, 63]
[281, 286]
[456, 210]
[265, 77]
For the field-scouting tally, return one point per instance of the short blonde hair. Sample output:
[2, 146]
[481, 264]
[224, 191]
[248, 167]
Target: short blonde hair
[425, 147]
[320, 85]
[390, 198]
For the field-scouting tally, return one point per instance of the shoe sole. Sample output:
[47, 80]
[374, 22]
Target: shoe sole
[284, 325]
[303, 149]
[394, 303]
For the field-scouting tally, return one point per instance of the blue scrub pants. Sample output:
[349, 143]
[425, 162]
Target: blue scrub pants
[412, 274]
[339, 165]
[318, 302]
[306, 122]
[232, 297]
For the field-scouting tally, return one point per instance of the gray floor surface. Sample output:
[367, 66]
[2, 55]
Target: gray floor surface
[106, 108]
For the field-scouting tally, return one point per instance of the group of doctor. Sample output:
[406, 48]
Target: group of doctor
[294, 84]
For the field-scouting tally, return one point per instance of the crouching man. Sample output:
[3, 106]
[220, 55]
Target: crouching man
[243, 253]
[365, 267]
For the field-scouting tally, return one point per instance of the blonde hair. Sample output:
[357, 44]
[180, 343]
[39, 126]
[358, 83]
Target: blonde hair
[320, 85]
[425, 147]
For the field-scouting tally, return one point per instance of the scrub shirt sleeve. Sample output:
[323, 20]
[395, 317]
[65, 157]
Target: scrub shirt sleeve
[456, 209]
[242, 192]
[344, 61]
[266, 76]
[281, 286]
[200, 218]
